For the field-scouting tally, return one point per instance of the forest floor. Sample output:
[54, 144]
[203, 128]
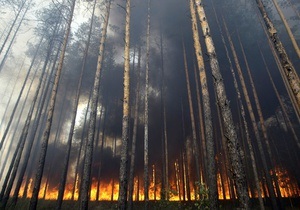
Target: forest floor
[290, 204]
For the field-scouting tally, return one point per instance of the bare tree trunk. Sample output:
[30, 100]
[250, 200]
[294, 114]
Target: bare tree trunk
[122, 204]
[188, 168]
[74, 115]
[39, 173]
[186, 177]
[290, 72]
[22, 140]
[9, 149]
[37, 118]
[177, 179]
[134, 136]
[57, 135]
[9, 170]
[253, 121]
[230, 131]
[84, 193]
[81, 148]
[291, 127]
[165, 159]
[146, 125]
[112, 189]
[184, 193]
[287, 27]
[211, 171]
[224, 151]
[154, 181]
[201, 130]
[101, 150]
[281, 71]
[262, 122]
[194, 135]
[242, 109]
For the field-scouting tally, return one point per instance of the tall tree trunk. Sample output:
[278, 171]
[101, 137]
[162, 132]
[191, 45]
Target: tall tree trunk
[63, 178]
[194, 135]
[238, 172]
[290, 72]
[9, 170]
[253, 121]
[165, 157]
[86, 181]
[46, 134]
[9, 149]
[146, 125]
[291, 127]
[96, 145]
[43, 97]
[184, 192]
[211, 171]
[56, 138]
[101, 152]
[122, 204]
[282, 73]
[177, 182]
[22, 141]
[134, 136]
[186, 176]
[242, 109]
[287, 27]
[154, 181]
[224, 151]
[77, 170]
[201, 130]
[262, 122]
[13, 159]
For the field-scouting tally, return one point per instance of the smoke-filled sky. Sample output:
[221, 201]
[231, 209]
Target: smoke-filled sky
[170, 26]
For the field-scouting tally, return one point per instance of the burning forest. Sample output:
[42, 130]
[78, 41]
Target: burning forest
[130, 104]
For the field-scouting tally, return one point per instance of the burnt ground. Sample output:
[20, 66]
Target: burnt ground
[289, 204]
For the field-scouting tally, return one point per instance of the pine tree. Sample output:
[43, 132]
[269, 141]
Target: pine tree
[134, 136]
[146, 130]
[289, 71]
[230, 131]
[122, 204]
[253, 120]
[46, 133]
[85, 187]
[211, 171]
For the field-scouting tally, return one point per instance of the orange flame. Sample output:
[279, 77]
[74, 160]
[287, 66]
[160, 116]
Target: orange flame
[108, 191]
